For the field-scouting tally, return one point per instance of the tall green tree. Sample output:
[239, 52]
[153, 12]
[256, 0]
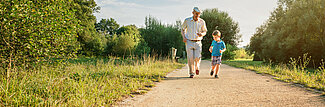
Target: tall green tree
[87, 34]
[33, 31]
[107, 26]
[219, 20]
[161, 38]
[128, 37]
[294, 28]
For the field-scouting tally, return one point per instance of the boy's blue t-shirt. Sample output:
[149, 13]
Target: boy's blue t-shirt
[216, 47]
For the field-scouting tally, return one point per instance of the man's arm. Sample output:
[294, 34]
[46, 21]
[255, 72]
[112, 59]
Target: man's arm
[184, 27]
[183, 35]
[203, 30]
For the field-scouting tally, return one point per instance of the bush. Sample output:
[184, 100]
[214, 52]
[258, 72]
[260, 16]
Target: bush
[94, 46]
[142, 48]
[229, 54]
[125, 45]
[124, 41]
[242, 54]
[35, 31]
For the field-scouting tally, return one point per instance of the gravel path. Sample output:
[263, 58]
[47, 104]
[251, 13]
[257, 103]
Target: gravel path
[236, 87]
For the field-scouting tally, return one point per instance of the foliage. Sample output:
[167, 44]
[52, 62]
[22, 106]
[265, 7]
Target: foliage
[142, 48]
[124, 41]
[107, 26]
[161, 38]
[99, 83]
[125, 44]
[35, 31]
[219, 20]
[242, 54]
[91, 41]
[132, 30]
[229, 54]
[95, 45]
[294, 28]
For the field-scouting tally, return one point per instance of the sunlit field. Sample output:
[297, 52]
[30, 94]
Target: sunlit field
[83, 82]
[292, 72]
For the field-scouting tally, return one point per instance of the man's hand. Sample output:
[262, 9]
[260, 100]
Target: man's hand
[184, 40]
[199, 34]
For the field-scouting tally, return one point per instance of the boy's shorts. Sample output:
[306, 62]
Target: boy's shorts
[215, 60]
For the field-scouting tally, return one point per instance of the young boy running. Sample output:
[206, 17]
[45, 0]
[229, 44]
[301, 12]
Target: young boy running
[217, 48]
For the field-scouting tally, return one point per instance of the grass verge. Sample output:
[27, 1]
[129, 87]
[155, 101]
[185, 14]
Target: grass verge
[78, 83]
[289, 73]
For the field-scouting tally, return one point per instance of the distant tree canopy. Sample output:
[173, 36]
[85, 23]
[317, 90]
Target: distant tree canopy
[294, 28]
[161, 38]
[107, 26]
[218, 20]
[125, 40]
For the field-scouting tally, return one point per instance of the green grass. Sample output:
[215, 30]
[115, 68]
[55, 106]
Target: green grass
[182, 61]
[82, 82]
[288, 73]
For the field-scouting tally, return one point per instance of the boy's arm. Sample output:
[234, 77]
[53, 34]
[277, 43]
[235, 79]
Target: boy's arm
[210, 49]
[224, 48]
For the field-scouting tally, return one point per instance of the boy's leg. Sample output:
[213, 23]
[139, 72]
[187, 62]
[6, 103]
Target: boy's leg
[213, 64]
[218, 65]
[217, 69]
[212, 69]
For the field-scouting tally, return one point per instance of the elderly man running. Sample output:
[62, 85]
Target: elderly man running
[193, 30]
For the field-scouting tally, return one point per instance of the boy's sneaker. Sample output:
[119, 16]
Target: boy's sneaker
[191, 76]
[197, 72]
[211, 73]
[216, 76]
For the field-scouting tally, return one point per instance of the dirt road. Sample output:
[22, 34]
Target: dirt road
[235, 87]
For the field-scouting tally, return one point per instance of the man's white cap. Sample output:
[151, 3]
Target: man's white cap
[197, 9]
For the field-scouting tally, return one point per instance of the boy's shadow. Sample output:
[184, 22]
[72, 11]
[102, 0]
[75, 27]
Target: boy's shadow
[187, 78]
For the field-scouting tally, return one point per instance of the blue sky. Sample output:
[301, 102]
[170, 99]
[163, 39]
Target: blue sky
[248, 13]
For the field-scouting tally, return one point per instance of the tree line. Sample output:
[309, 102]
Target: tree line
[220, 20]
[295, 28]
[33, 31]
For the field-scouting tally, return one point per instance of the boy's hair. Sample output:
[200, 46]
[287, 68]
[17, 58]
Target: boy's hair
[216, 33]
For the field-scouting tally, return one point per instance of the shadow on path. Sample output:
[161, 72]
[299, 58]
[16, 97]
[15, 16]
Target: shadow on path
[187, 78]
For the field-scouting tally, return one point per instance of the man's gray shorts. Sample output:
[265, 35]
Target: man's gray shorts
[215, 60]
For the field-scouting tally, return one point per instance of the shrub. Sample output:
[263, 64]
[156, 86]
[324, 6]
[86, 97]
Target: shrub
[33, 31]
